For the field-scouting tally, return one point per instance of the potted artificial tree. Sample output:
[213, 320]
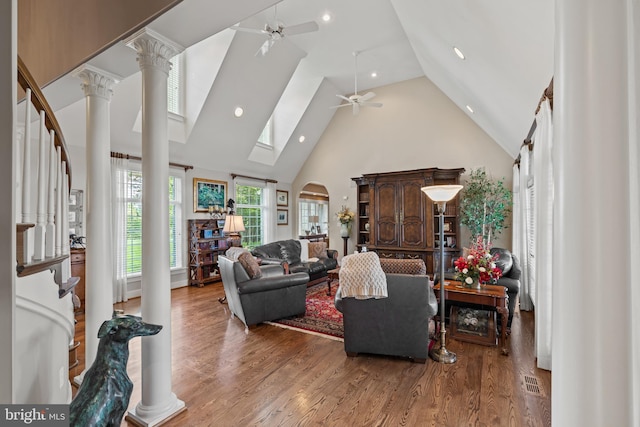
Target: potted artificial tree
[485, 204]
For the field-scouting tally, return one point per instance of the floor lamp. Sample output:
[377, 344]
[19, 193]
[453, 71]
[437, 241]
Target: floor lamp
[441, 194]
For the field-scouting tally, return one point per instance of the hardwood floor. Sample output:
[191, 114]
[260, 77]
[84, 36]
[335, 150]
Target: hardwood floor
[278, 377]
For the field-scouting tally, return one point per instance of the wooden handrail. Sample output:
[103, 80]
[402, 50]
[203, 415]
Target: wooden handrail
[26, 81]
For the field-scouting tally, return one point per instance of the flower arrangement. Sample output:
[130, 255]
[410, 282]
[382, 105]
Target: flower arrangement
[478, 266]
[344, 215]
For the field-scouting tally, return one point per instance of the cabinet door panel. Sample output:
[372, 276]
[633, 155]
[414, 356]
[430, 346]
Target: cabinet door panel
[413, 214]
[386, 202]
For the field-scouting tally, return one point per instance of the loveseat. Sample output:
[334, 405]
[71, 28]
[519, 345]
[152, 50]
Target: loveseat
[397, 325]
[314, 258]
[269, 295]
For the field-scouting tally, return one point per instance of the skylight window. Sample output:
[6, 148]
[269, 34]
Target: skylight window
[266, 137]
[175, 86]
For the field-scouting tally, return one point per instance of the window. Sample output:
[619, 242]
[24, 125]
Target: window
[175, 85]
[133, 202]
[313, 214]
[266, 137]
[251, 205]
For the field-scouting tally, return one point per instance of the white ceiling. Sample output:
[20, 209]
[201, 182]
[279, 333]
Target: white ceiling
[508, 46]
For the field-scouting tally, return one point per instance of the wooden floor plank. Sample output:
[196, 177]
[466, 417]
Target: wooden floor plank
[277, 377]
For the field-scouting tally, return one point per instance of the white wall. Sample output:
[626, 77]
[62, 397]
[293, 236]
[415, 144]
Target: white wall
[44, 329]
[417, 127]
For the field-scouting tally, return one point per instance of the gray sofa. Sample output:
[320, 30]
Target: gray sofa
[393, 326]
[273, 296]
[287, 253]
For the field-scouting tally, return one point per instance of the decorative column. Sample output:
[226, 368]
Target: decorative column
[594, 338]
[97, 86]
[158, 402]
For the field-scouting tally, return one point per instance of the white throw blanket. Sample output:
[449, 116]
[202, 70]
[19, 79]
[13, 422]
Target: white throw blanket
[361, 276]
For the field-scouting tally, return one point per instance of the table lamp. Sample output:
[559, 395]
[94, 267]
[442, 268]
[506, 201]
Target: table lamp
[441, 194]
[233, 225]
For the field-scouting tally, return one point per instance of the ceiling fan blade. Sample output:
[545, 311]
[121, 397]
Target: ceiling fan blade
[356, 108]
[248, 30]
[371, 104]
[344, 97]
[367, 96]
[341, 105]
[306, 27]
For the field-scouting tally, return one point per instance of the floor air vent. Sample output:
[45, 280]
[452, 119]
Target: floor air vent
[531, 386]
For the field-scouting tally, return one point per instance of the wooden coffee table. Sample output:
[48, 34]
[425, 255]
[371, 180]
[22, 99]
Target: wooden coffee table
[490, 295]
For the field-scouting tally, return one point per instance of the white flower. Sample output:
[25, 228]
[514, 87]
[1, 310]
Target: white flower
[488, 255]
[493, 265]
[465, 271]
[470, 257]
[468, 280]
[482, 269]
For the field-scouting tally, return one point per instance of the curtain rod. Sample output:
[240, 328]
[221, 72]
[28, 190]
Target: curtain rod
[234, 175]
[547, 93]
[130, 157]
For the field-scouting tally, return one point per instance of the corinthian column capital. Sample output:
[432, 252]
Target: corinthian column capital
[96, 81]
[153, 49]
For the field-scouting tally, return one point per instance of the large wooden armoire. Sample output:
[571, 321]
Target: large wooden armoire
[397, 220]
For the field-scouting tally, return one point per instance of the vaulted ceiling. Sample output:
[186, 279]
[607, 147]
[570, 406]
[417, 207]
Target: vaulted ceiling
[508, 49]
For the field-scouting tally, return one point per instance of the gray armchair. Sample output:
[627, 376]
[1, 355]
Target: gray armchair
[272, 296]
[510, 267]
[393, 326]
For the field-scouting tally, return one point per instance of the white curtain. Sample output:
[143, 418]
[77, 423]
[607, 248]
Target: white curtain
[119, 227]
[525, 223]
[543, 173]
[270, 213]
[518, 231]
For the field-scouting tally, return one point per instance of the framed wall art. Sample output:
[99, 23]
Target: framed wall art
[283, 217]
[208, 192]
[282, 197]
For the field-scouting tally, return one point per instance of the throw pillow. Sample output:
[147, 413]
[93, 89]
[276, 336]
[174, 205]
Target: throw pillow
[304, 250]
[250, 265]
[318, 249]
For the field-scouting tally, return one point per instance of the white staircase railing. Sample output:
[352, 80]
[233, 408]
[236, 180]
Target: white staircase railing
[42, 237]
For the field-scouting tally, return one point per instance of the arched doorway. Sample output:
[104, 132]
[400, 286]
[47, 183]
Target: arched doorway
[313, 210]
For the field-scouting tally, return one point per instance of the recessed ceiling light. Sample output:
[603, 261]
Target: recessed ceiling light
[238, 112]
[374, 74]
[326, 17]
[301, 139]
[470, 109]
[458, 52]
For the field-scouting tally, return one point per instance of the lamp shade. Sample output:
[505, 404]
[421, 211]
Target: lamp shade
[233, 224]
[441, 193]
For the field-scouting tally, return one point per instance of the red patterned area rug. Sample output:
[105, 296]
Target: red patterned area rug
[321, 317]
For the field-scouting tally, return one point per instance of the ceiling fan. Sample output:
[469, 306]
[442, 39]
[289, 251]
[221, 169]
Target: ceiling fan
[276, 31]
[356, 100]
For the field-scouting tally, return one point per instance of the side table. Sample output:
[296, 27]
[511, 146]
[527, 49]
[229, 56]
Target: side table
[333, 275]
[489, 295]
